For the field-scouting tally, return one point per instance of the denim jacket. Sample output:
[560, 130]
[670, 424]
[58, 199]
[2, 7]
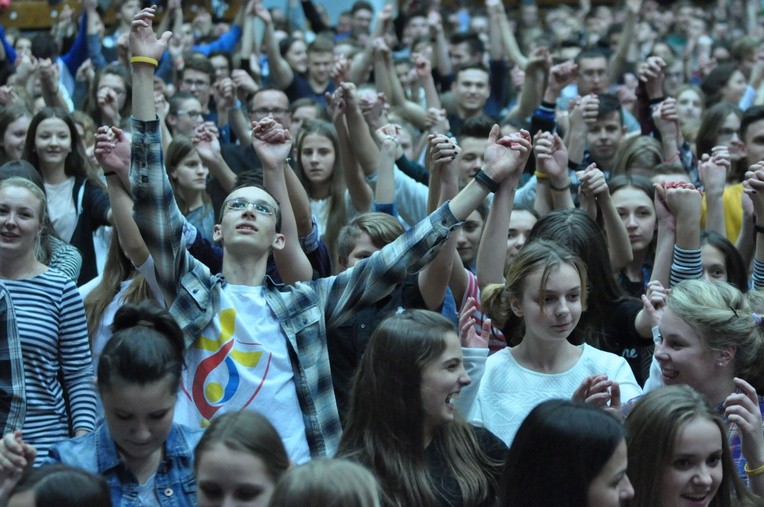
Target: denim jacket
[97, 453]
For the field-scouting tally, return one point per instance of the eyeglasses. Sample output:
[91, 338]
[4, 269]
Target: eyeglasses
[117, 91]
[276, 111]
[727, 134]
[241, 204]
[189, 83]
[190, 114]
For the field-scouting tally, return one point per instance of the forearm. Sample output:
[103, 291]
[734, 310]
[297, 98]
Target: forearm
[298, 196]
[511, 46]
[745, 242]
[618, 60]
[431, 96]
[384, 193]
[432, 282]
[239, 124]
[363, 145]
[575, 142]
[530, 96]
[492, 251]
[619, 246]
[664, 254]
[291, 261]
[715, 213]
[442, 60]
[220, 171]
[281, 73]
[360, 192]
[130, 239]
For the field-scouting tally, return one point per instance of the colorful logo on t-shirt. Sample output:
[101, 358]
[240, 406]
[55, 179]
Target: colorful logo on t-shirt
[218, 380]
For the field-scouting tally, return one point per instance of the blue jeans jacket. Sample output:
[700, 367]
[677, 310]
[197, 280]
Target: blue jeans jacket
[96, 452]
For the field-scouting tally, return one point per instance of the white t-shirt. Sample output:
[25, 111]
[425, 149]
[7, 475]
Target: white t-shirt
[241, 361]
[509, 391]
[61, 209]
[103, 334]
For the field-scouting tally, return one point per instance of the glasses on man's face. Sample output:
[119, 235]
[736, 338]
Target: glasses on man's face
[265, 111]
[241, 204]
[190, 114]
[198, 83]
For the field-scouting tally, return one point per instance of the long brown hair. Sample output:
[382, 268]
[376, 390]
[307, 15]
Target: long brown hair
[337, 211]
[385, 424]
[180, 148]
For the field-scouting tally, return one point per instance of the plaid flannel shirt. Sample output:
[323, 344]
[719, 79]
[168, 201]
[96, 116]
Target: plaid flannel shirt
[304, 311]
[12, 392]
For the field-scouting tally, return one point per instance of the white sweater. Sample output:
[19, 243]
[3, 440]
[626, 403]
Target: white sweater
[509, 391]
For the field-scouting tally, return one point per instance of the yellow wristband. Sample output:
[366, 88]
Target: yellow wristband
[752, 472]
[541, 175]
[144, 59]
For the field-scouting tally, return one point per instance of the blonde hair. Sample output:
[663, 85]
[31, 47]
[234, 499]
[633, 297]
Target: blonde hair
[722, 317]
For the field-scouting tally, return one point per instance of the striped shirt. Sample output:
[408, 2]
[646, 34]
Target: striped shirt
[54, 340]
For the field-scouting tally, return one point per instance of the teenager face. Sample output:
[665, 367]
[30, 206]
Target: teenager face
[470, 159]
[190, 174]
[53, 142]
[20, 214]
[714, 265]
[754, 142]
[733, 91]
[252, 227]
[14, 137]
[468, 238]
[592, 75]
[320, 66]
[604, 137]
[300, 116]
[694, 471]
[188, 117]
[471, 89]
[611, 486]
[363, 249]
[520, 224]
[198, 84]
[682, 354]
[689, 106]
[555, 316]
[442, 380]
[232, 478]
[317, 157]
[297, 56]
[139, 416]
[116, 84]
[637, 212]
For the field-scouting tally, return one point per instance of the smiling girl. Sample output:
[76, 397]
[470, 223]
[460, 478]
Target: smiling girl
[145, 458]
[544, 294]
[77, 202]
[678, 453]
[403, 424]
[14, 123]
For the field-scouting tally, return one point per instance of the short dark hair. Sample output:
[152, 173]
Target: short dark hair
[361, 5]
[590, 53]
[321, 44]
[478, 126]
[751, 115]
[200, 63]
[737, 273]
[45, 46]
[609, 104]
[471, 38]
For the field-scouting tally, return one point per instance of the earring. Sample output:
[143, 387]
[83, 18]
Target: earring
[720, 364]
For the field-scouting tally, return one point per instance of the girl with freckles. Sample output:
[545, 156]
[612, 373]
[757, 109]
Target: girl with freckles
[544, 295]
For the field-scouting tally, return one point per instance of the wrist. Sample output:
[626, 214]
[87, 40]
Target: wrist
[486, 179]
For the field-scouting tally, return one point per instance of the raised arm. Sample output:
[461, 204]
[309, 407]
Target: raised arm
[536, 72]
[208, 146]
[281, 73]
[713, 170]
[618, 59]
[273, 143]
[112, 150]
[594, 189]
[552, 178]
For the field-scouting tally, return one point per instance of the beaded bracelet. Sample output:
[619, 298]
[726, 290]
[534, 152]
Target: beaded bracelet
[541, 175]
[560, 190]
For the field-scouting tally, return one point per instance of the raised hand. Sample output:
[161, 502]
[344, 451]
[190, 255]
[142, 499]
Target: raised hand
[422, 66]
[601, 392]
[654, 301]
[112, 151]
[108, 103]
[468, 334]
[753, 186]
[714, 169]
[593, 186]
[505, 157]
[335, 104]
[650, 72]
[742, 409]
[682, 199]
[272, 142]
[443, 151]
[16, 456]
[388, 136]
[666, 118]
[437, 121]
[551, 156]
[585, 110]
[143, 41]
[561, 75]
[206, 142]
[48, 70]
[244, 83]
[341, 71]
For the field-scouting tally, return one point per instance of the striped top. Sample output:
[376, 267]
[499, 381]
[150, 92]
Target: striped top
[53, 332]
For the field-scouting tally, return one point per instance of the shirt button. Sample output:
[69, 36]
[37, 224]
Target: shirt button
[168, 492]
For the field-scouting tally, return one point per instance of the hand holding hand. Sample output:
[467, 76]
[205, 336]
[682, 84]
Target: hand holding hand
[753, 186]
[505, 157]
[443, 151]
[714, 169]
[742, 409]
[467, 324]
[272, 142]
[112, 151]
[552, 157]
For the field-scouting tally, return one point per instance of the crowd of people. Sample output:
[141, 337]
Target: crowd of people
[407, 259]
